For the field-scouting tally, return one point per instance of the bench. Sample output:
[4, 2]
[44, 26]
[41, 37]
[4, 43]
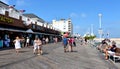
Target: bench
[115, 55]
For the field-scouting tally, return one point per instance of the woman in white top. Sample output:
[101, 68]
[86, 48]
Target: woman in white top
[17, 44]
[27, 42]
[37, 46]
[39, 43]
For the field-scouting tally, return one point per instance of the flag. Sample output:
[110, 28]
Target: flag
[11, 6]
[21, 11]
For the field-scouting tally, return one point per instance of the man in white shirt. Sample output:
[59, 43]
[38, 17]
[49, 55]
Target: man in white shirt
[27, 42]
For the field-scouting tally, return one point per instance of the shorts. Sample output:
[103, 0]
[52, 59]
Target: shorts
[111, 53]
[36, 47]
[65, 45]
[70, 44]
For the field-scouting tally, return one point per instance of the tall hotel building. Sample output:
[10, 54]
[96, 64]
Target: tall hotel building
[63, 25]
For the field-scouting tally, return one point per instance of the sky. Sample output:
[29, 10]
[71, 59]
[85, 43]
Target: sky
[83, 13]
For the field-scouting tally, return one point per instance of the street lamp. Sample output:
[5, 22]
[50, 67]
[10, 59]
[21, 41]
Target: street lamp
[92, 34]
[100, 31]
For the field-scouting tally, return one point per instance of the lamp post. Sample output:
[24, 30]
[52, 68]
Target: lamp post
[100, 31]
[92, 34]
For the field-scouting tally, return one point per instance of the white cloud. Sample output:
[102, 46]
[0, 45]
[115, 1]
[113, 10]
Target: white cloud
[83, 15]
[5, 1]
[20, 2]
[72, 15]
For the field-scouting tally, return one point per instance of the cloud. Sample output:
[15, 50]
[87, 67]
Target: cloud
[5, 1]
[72, 15]
[20, 2]
[83, 15]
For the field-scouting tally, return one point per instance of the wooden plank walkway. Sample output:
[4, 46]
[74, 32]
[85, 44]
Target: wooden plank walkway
[83, 57]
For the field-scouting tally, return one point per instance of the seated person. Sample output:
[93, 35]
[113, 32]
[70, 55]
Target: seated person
[103, 46]
[110, 50]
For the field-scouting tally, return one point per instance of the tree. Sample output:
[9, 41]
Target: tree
[90, 37]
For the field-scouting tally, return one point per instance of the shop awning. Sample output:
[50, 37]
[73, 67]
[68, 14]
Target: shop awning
[14, 30]
[24, 31]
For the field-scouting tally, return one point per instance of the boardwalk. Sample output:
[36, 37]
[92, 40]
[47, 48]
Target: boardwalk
[83, 57]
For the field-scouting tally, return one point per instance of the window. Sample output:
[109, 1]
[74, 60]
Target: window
[33, 26]
[38, 27]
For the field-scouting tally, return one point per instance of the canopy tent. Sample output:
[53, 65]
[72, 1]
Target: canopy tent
[29, 31]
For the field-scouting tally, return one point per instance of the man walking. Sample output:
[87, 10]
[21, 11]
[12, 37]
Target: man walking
[65, 42]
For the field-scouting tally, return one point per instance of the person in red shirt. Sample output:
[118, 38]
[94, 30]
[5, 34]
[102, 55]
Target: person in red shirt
[70, 41]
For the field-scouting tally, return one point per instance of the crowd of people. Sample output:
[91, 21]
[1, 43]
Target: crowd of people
[20, 42]
[37, 44]
[108, 47]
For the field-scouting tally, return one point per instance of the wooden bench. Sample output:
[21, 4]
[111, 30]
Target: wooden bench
[116, 55]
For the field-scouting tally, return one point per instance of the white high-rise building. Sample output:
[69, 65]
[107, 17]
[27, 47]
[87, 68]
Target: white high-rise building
[63, 25]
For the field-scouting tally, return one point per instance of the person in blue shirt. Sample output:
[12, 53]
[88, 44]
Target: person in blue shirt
[65, 42]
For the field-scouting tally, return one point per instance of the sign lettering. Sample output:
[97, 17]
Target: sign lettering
[5, 19]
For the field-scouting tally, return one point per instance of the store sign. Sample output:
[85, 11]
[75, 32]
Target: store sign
[6, 19]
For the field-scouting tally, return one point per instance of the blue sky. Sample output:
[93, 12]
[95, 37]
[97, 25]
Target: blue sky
[82, 12]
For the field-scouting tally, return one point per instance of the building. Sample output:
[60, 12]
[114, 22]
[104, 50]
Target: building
[63, 25]
[14, 23]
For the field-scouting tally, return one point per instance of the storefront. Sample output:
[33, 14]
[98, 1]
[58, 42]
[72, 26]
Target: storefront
[11, 27]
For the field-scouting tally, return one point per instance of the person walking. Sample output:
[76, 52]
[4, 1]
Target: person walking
[39, 43]
[43, 41]
[23, 42]
[1, 42]
[47, 40]
[65, 42]
[37, 46]
[27, 42]
[7, 41]
[74, 43]
[17, 44]
[70, 41]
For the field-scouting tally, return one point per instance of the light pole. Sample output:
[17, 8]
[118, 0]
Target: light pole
[92, 34]
[100, 31]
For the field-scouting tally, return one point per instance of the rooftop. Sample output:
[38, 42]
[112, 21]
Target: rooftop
[31, 15]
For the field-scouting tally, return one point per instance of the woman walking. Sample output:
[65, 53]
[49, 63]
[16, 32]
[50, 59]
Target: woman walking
[17, 44]
[70, 44]
[37, 46]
